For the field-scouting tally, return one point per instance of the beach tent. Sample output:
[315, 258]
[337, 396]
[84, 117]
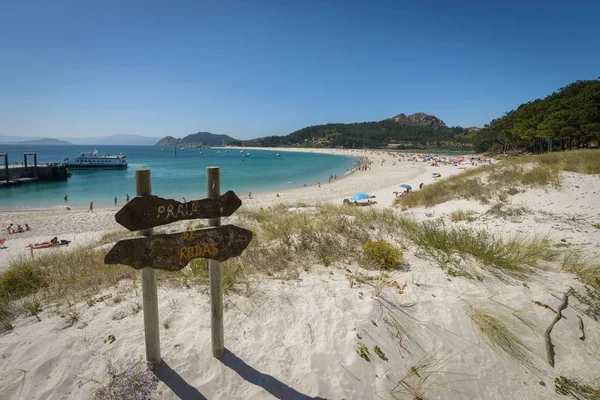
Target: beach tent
[404, 186]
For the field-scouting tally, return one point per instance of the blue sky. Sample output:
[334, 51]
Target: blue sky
[257, 68]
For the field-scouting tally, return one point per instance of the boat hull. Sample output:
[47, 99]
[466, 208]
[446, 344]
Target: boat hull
[73, 166]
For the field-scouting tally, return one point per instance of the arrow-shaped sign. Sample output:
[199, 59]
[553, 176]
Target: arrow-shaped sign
[172, 252]
[145, 212]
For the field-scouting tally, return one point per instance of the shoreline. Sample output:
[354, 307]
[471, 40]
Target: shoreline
[305, 191]
[381, 179]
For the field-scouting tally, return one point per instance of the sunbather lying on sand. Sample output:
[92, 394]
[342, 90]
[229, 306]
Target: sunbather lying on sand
[54, 242]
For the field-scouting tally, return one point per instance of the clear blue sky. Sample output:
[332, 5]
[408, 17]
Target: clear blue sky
[257, 68]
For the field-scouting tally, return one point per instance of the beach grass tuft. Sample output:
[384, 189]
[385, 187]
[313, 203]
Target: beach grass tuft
[587, 271]
[495, 330]
[576, 389]
[513, 256]
[460, 215]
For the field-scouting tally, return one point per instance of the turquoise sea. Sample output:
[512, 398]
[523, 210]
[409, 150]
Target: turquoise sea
[183, 176]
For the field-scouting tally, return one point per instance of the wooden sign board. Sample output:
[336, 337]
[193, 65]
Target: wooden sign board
[149, 211]
[172, 252]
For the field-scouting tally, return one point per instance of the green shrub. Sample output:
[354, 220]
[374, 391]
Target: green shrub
[363, 352]
[21, 279]
[379, 352]
[384, 254]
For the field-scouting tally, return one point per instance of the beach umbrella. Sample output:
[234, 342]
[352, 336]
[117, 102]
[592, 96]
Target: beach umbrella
[404, 186]
[360, 196]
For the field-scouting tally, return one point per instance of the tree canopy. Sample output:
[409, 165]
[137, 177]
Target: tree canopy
[567, 118]
[372, 135]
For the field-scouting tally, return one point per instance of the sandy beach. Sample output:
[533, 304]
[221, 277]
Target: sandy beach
[299, 338]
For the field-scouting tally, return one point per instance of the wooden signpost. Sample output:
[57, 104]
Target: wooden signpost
[172, 252]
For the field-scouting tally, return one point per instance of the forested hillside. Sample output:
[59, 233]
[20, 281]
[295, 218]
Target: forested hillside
[569, 118]
[416, 130]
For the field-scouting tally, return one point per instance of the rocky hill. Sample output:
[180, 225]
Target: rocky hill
[419, 118]
[197, 139]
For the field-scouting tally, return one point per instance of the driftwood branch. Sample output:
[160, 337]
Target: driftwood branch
[549, 346]
[582, 337]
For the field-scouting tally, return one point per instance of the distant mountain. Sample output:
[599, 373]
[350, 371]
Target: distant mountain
[419, 130]
[197, 139]
[124, 140]
[17, 139]
[47, 142]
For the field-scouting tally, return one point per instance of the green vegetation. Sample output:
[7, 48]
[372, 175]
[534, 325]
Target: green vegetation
[505, 178]
[363, 352]
[569, 118]
[373, 135]
[513, 256]
[576, 389]
[588, 272]
[383, 254]
[377, 350]
[460, 215]
[499, 336]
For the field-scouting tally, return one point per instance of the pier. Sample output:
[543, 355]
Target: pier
[21, 174]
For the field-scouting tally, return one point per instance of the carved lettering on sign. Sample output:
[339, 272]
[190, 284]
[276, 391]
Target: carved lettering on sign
[149, 211]
[173, 251]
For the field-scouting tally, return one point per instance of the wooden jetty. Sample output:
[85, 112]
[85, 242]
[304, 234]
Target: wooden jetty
[21, 174]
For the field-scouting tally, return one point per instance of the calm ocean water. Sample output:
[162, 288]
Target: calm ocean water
[172, 177]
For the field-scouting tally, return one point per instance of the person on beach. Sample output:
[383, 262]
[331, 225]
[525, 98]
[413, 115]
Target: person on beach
[27, 228]
[20, 229]
[9, 229]
[66, 198]
[249, 195]
[91, 207]
[115, 201]
[127, 198]
[421, 186]
[184, 200]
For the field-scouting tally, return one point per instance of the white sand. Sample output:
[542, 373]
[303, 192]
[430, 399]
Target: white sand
[297, 339]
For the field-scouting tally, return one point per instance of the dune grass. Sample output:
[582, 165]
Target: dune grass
[587, 269]
[495, 330]
[426, 377]
[284, 244]
[514, 256]
[461, 215]
[577, 389]
[505, 178]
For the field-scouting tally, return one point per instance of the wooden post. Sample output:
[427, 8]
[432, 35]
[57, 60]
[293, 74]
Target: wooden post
[6, 166]
[213, 189]
[143, 187]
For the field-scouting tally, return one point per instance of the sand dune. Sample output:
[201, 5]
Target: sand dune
[298, 338]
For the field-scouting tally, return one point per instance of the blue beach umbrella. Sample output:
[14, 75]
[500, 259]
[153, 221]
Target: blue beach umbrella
[360, 196]
[404, 186]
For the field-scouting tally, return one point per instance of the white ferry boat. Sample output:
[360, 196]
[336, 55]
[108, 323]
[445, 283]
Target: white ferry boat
[93, 160]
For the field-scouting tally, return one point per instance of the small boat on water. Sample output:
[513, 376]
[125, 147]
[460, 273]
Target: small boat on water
[199, 152]
[277, 154]
[241, 151]
[93, 160]
[162, 149]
